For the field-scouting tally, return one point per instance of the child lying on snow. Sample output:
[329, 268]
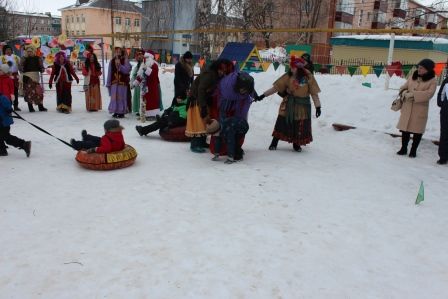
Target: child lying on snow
[112, 141]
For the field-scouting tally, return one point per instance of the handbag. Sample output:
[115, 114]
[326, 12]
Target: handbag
[397, 103]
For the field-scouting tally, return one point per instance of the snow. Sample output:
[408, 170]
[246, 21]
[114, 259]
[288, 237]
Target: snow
[335, 221]
[435, 40]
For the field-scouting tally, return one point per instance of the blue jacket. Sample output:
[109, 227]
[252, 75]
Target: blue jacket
[5, 111]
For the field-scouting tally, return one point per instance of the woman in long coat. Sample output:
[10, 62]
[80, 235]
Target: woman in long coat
[416, 94]
[117, 84]
[442, 102]
[92, 73]
[293, 123]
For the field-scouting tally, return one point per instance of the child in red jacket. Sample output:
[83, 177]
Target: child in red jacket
[6, 82]
[112, 141]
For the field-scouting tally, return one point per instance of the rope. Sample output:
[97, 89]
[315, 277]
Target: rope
[42, 130]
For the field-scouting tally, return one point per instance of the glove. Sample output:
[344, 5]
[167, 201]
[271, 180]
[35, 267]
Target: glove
[318, 112]
[204, 111]
[91, 150]
[408, 96]
[50, 86]
[259, 98]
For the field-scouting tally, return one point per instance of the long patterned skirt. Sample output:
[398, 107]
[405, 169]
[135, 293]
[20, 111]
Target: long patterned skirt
[295, 125]
[32, 91]
[118, 99]
[93, 98]
[136, 100]
[64, 96]
[195, 123]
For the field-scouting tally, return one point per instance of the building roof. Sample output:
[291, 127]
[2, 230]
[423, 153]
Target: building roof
[401, 41]
[119, 5]
[37, 15]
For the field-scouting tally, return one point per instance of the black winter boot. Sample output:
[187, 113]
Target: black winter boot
[274, 144]
[27, 148]
[416, 141]
[31, 108]
[404, 143]
[297, 147]
[42, 108]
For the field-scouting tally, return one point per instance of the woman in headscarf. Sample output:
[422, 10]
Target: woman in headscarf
[31, 66]
[92, 73]
[293, 123]
[63, 75]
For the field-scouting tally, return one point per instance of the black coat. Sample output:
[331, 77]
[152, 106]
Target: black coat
[182, 79]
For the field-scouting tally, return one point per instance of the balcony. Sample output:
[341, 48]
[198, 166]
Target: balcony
[343, 17]
[380, 5]
[419, 22]
[397, 23]
[399, 13]
[378, 25]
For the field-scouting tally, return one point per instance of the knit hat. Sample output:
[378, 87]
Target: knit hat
[244, 82]
[112, 124]
[428, 64]
[4, 68]
[212, 127]
[188, 55]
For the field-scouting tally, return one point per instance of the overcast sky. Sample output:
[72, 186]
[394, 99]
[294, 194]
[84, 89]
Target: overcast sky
[53, 6]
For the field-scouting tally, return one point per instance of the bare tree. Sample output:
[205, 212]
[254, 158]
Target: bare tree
[204, 12]
[7, 23]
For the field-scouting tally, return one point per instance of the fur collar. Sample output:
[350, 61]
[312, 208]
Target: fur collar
[426, 77]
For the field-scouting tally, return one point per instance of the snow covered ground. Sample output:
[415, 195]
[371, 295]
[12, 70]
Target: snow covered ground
[335, 221]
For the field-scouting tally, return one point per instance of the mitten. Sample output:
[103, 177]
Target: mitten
[148, 71]
[50, 85]
[318, 112]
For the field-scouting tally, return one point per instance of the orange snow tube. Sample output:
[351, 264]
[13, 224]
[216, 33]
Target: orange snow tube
[176, 134]
[109, 161]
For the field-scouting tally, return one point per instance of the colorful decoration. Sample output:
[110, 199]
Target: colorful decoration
[378, 70]
[17, 47]
[45, 50]
[365, 70]
[49, 60]
[421, 194]
[68, 43]
[53, 43]
[157, 56]
[62, 38]
[55, 50]
[352, 69]
[276, 65]
[73, 56]
[317, 67]
[439, 68]
[340, 69]
[44, 39]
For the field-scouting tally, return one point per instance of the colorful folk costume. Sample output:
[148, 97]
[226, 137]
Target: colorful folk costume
[293, 123]
[63, 74]
[202, 92]
[31, 66]
[92, 72]
[117, 84]
[13, 62]
[148, 80]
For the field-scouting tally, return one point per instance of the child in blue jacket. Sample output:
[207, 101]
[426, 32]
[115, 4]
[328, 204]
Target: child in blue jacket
[5, 126]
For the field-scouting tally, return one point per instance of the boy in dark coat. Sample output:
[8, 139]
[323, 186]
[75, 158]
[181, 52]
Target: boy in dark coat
[5, 127]
[112, 141]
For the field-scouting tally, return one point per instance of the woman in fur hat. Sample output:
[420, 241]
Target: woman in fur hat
[148, 80]
[92, 72]
[293, 123]
[63, 74]
[416, 94]
[31, 66]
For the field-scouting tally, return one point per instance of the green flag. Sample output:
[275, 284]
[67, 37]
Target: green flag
[276, 65]
[378, 70]
[352, 69]
[329, 67]
[287, 68]
[367, 84]
[421, 194]
[406, 69]
[317, 67]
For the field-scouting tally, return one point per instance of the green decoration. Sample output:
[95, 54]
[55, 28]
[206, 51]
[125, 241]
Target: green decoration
[317, 67]
[367, 84]
[378, 70]
[421, 194]
[276, 65]
[407, 68]
[352, 69]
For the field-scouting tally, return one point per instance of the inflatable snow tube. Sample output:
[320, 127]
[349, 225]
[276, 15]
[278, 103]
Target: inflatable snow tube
[109, 161]
[176, 134]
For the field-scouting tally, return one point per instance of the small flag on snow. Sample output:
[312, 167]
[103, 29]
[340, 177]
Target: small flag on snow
[421, 194]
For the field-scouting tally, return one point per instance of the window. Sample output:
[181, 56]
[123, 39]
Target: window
[361, 15]
[73, 32]
[118, 21]
[73, 19]
[83, 32]
[83, 19]
[127, 22]
[77, 32]
[137, 22]
[42, 21]
[346, 6]
[77, 19]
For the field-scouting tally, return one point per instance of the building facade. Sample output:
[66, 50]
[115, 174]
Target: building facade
[98, 17]
[21, 24]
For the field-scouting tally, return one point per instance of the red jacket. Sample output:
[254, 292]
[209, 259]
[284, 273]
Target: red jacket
[111, 142]
[6, 86]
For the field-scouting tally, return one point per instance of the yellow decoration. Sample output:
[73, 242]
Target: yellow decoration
[73, 56]
[266, 65]
[49, 59]
[62, 38]
[35, 41]
[365, 69]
